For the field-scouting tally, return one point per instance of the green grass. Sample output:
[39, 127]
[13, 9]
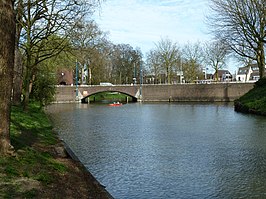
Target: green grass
[255, 99]
[30, 127]
[31, 136]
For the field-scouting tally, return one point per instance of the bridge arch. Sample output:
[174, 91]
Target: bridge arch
[85, 98]
[86, 92]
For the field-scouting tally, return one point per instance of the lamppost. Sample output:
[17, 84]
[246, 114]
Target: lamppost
[140, 83]
[134, 78]
[77, 71]
[181, 71]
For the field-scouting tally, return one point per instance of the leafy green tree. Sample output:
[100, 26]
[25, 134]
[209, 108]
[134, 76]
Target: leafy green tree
[40, 21]
[43, 89]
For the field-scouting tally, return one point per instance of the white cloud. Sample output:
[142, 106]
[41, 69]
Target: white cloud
[141, 23]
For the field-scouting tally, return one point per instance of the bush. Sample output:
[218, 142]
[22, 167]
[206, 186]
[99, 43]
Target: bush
[261, 82]
[43, 89]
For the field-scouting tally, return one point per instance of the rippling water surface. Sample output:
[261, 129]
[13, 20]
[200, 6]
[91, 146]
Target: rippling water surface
[168, 150]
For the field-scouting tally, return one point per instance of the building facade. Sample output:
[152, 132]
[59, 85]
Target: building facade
[248, 73]
[65, 77]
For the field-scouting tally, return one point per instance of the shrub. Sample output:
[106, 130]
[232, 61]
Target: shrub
[43, 89]
[261, 82]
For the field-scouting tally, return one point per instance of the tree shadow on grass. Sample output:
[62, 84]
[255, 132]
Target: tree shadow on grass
[28, 129]
[24, 137]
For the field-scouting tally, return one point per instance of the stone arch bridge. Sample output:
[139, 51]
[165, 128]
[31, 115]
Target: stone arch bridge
[180, 92]
[85, 92]
[81, 93]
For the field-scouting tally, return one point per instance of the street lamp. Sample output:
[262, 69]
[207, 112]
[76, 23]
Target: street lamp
[134, 78]
[181, 71]
[77, 70]
[140, 83]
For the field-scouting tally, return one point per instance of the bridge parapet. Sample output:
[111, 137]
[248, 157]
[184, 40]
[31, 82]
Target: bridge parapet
[179, 92]
[196, 92]
[69, 94]
[91, 90]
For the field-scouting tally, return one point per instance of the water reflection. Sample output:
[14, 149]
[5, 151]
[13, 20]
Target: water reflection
[168, 150]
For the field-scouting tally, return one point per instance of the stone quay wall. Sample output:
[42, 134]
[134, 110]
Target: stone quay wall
[223, 92]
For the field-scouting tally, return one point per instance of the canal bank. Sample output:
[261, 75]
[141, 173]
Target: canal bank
[254, 101]
[41, 167]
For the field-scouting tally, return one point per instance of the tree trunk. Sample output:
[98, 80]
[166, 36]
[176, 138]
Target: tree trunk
[261, 60]
[216, 74]
[7, 45]
[18, 78]
[168, 74]
[27, 83]
[18, 67]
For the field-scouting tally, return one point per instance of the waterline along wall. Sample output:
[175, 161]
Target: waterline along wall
[196, 92]
[159, 93]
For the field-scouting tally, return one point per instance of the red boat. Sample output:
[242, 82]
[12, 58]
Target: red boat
[116, 104]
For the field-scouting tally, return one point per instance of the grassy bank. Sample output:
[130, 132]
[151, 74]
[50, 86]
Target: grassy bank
[41, 168]
[254, 101]
[110, 96]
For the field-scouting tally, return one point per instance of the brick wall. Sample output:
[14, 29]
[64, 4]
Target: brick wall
[179, 92]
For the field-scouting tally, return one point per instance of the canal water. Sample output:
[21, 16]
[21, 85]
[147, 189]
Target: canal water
[158, 151]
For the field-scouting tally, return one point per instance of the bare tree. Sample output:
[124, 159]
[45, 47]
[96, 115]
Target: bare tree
[215, 55]
[193, 57]
[241, 25]
[126, 63]
[154, 64]
[87, 39]
[169, 56]
[7, 44]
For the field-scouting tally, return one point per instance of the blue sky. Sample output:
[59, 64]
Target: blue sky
[142, 23]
